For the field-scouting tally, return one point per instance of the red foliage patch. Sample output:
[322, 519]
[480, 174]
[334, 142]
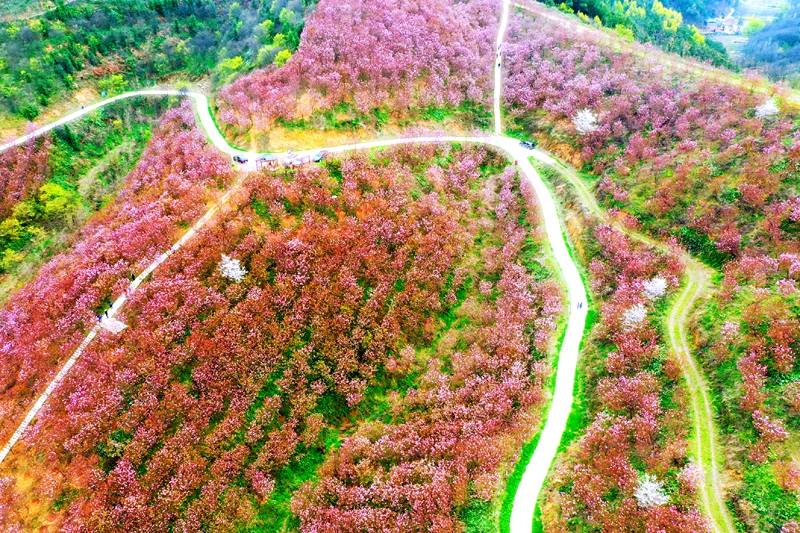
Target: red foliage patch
[393, 53]
[22, 170]
[42, 323]
[189, 418]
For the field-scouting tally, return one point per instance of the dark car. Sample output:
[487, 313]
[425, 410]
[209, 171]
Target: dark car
[528, 145]
[240, 159]
[319, 156]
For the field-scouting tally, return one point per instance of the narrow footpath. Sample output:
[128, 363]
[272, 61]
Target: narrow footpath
[556, 419]
[532, 481]
[696, 284]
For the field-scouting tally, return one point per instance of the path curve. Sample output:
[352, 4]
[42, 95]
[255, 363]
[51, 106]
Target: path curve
[202, 109]
[696, 284]
[536, 473]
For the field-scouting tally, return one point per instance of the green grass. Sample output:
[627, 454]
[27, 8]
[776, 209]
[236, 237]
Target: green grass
[514, 480]
[578, 416]
[772, 505]
[478, 517]
[88, 161]
[275, 514]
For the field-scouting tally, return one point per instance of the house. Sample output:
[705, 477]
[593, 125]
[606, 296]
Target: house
[728, 24]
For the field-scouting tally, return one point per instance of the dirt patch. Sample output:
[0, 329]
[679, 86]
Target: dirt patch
[34, 510]
[86, 96]
[564, 152]
[279, 139]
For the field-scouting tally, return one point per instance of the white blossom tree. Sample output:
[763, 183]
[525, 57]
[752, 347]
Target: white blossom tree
[767, 109]
[634, 316]
[232, 269]
[650, 492]
[655, 288]
[585, 121]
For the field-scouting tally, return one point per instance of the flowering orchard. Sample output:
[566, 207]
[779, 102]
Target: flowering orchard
[692, 158]
[716, 167]
[626, 468]
[390, 54]
[22, 170]
[752, 350]
[377, 359]
[706, 162]
[42, 323]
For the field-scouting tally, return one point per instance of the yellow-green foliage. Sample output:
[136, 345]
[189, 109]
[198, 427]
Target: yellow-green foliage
[753, 25]
[13, 30]
[113, 84]
[282, 57]
[279, 40]
[228, 67]
[624, 32]
[57, 202]
[565, 8]
[630, 8]
[672, 19]
[697, 37]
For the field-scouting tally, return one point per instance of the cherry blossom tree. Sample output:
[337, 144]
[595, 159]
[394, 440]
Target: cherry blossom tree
[768, 109]
[655, 288]
[585, 121]
[634, 316]
[232, 269]
[650, 492]
[791, 526]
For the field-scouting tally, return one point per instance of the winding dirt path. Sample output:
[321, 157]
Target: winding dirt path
[536, 472]
[561, 405]
[696, 284]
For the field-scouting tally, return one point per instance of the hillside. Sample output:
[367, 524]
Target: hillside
[713, 168]
[650, 22]
[461, 266]
[112, 46]
[776, 48]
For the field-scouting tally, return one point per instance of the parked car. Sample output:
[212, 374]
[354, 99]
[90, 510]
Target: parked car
[240, 159]
[319, 156]
[528, 145]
